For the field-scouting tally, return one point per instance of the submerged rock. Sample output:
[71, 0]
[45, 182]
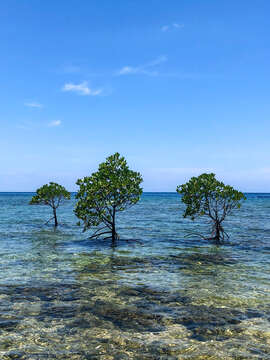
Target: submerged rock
[208, 322]
[15, 355]
[128, 318]
[8, 325]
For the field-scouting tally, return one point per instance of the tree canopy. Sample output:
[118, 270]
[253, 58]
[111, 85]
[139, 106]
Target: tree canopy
[113, 188]
[52, 195]
[206, 196]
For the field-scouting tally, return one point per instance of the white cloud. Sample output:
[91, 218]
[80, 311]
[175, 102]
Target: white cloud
[55, 123]
[127, 70]
[81, 89]
[33, 104]
[173, 26]
[145, 69]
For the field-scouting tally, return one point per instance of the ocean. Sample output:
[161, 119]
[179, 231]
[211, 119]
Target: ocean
[158, 295]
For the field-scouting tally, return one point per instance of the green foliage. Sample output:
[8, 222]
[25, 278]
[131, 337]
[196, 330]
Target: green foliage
[113, 188]
[52, 195]
[206, 196]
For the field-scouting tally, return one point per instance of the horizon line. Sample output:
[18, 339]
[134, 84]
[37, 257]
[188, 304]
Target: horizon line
[158, 192]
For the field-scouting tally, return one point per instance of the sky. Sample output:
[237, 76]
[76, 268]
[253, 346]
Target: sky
[178, 87]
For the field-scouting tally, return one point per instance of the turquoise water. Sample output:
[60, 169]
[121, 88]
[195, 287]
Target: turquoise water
[162, 296]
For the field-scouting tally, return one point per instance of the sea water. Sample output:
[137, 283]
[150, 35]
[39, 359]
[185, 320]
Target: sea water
[160, 294]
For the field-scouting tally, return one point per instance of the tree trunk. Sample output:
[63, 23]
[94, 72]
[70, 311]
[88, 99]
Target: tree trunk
[218, 231]
[55, 217]
[113, 237]
[114, 234]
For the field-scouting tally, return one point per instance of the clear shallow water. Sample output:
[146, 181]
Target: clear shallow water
[161, 297]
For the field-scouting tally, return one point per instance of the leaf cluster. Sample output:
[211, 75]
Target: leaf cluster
[50, 194]
[113, 188]
[205, 195]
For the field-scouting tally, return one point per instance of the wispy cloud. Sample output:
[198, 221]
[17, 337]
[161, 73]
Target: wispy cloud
[33, 125]
[24, 126]
[165, 28]
[145, 69]
[55, 123]
[178, 26]
[33, 104]
[81, 89]
[173, 26]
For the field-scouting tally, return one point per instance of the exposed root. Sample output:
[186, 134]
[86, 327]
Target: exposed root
[49, 220]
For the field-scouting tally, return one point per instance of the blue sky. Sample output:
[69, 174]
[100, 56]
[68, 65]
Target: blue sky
[177, 87]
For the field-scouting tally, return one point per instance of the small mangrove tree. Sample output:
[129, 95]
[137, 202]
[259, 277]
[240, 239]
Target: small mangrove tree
[205, 196]
[112, 189]
[52, 195]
